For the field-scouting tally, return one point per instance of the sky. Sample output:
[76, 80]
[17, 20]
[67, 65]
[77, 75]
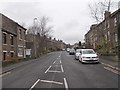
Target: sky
[71, 19]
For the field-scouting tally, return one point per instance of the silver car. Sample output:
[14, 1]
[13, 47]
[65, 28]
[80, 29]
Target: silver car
[72, 51]
[77, 53]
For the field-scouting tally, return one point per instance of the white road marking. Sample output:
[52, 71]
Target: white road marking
[110, 66]
[107, 65]
[48, 69]
[54, 62]
[117, 68]
[54, 71]
[51, 82]
[112, 70]
[34, 84]
[5, 74]
[60, 61]
[66, 85]
[62, 68]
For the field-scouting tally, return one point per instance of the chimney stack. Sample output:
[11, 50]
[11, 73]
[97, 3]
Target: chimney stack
[106, 14]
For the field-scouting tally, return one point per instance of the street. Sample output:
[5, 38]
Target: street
[60, 70]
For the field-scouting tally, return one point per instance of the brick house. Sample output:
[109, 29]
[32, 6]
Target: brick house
[9, 38]
[105, 33]
[21, 41]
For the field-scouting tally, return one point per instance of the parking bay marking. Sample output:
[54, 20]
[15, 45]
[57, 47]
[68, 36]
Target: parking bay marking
[62, 68]
[34, 84]
[65, 82]
[60, 61]
[51, 82]
[54, 62]
[48, 69]
[54, 71]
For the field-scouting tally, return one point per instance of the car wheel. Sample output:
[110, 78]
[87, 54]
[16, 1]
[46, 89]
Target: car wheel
[75, 58]
[79, 59]
[82, 61]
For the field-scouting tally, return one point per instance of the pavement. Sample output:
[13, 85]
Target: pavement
[60, 70]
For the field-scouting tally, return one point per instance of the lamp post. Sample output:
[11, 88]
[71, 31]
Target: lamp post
[34, 39]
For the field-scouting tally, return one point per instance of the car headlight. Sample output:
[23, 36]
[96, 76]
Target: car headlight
[97, 57]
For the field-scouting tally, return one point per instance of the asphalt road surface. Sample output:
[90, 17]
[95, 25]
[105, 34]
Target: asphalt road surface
[60, 70]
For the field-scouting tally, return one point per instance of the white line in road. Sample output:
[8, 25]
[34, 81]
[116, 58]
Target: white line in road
[4, 74]
[66, 85]
[54, 62]
[60, 61]
[62, 68]
[51, 82]
[54, 71]
[48, 69]
[112, 70]
[34, 84]
[110, 66]
[107, 65]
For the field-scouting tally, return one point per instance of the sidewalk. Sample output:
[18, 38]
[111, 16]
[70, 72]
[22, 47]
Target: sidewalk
[16, 65]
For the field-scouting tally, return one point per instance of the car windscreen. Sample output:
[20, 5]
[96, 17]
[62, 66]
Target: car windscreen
[88, 52]
[72, 50]
[78, 51]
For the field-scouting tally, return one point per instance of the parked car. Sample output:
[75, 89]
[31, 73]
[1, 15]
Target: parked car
[68, 49]
[72, 51]
[88, 56]
[77, 53]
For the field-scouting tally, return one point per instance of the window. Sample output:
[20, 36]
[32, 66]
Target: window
[88, 52]
[4, 38]
[20, 34]
[24, 35]
[4, 55]
[116, 38]
[11, 40]
[20, 52]
[12, 54]
[109, 35]
[115, 21]
[108, 24]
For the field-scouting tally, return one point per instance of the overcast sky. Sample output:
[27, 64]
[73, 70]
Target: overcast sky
[71, 18]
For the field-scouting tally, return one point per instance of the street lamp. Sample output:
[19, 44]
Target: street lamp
[34, 41]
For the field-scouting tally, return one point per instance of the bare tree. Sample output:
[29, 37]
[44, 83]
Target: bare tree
[40, 30]
[97, 9]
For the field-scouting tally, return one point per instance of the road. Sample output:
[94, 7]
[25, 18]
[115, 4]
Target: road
[60, 70]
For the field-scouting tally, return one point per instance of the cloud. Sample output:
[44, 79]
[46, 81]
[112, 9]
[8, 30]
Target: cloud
[71, 18]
